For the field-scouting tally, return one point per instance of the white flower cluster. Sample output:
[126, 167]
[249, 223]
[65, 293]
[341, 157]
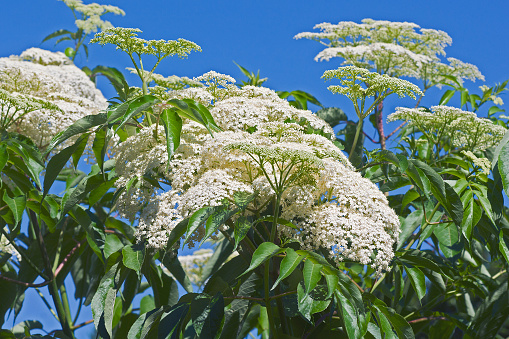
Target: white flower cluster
[463, 128]
[54, 78]
[6, 246]
[258, 152]
[483, 163]
[90, 14]
[393, 48]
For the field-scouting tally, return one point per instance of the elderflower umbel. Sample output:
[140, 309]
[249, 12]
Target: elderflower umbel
[463, 128]
[126, 39]
[264, 149]
[49, 77]
[90, 15]
[393, 48]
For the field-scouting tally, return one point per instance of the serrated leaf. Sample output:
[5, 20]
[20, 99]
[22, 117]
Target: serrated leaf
[472, 215]
[55, 34]
[288, 265]
[171, 320]
[133, 256]
[59, 160]
[242, 227]
[502, 246]
[311, 273]
[144, 323]
[417, 280]
[197, 219]
[242, 199]
[16, 205]
[503, 167]
[172, 129]
[446, 97]
[80, 126]
[265, 251]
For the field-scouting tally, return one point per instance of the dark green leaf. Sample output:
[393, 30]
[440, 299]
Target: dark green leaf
[503, 166]
[55, 34]
[133, 256]
[288, 265]
[197, 219]
[171, 320]
[311, 273]
[417, 280]
[80, 126]
[144, 324]
[242, 227]
[263, 252]
[172, 128]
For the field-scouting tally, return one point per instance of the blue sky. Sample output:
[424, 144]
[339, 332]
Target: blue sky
[259, 35]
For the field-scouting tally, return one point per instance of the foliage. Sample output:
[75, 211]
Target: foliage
[302, 242]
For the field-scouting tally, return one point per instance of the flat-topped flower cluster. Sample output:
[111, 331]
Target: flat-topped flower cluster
[393, 48]
[266, 148]
[43, 93]
[464, 129]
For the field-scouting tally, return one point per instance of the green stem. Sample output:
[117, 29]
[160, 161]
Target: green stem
[65, 303]
[267, 299]
[53, 289]
[357, 132]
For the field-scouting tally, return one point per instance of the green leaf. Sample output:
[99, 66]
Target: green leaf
[503, 166]
[400, 325]
[311, 303]
[16, 205]
[59, 160]
[136, 106]
[80, 126]
[311, 273]
[171, 321]
[332, 283]
[441, 190]
[242, 227]
[472, 215]
[100, 145]
[409, 225]
[112, 245]
[197, 219]
[144, 324]
[349, 315]
[417, 280]
[447, 96]
[55, 34]
[288, 265]
[4, 156]
[332, 115]
[265, 251]
[215, 220]
[207, 321]
[104, 301]
[502, 246]
[172, 129]
[133, 256]
[242, 199]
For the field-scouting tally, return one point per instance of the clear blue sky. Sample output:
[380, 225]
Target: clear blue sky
[259, 35]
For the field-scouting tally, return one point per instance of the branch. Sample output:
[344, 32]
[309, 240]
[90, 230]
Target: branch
[426, 319]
